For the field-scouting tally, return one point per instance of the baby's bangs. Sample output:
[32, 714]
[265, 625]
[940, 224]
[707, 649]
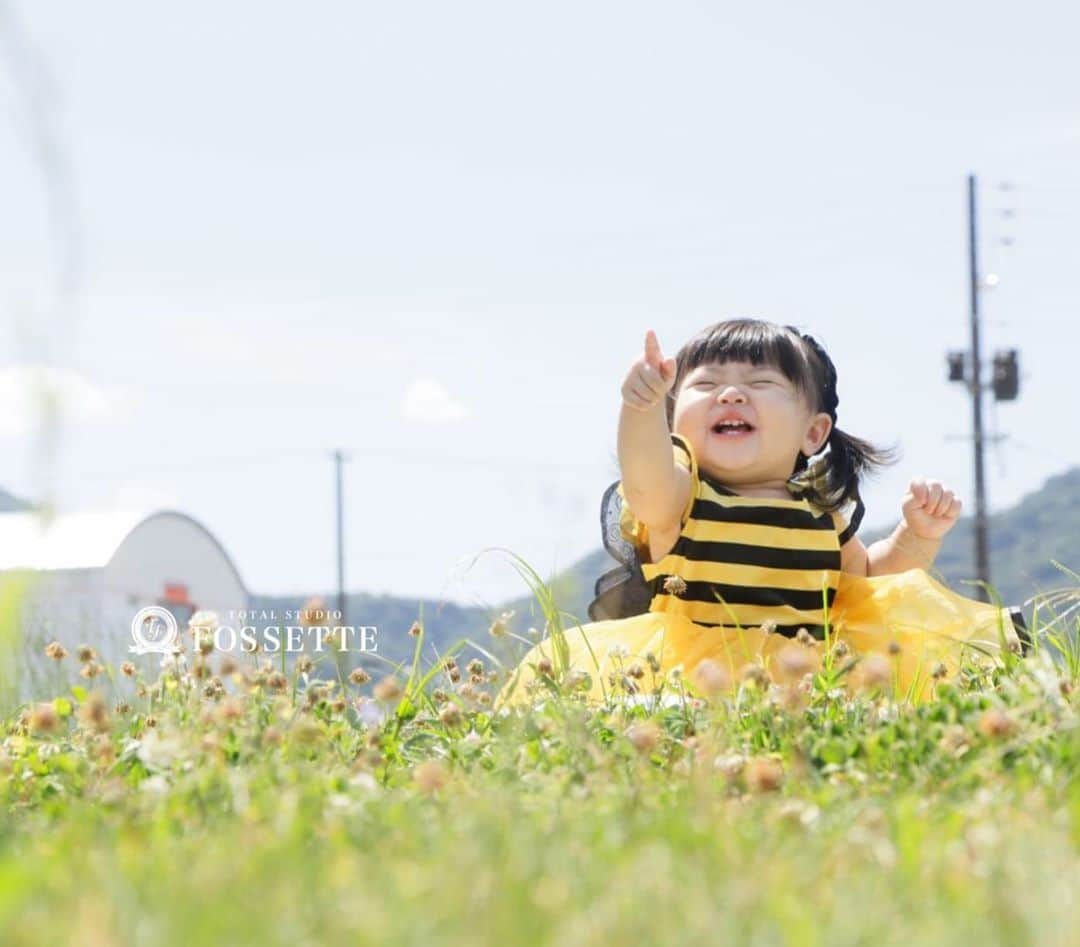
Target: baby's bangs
[753, 341]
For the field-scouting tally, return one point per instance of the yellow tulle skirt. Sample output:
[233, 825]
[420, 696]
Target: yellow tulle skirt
[918, 624]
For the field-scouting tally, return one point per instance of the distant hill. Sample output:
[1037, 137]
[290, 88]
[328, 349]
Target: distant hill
[444, 622]
[1044, 525]
[9, 503]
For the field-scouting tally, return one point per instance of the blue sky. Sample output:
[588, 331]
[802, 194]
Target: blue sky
[434, 235]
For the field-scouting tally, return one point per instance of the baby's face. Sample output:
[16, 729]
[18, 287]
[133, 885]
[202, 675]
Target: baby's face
[777, 422]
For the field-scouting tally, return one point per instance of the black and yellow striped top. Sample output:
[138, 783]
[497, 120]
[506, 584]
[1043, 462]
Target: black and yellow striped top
[744, 560]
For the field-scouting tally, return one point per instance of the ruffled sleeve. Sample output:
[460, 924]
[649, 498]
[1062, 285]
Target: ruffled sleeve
[631, 527]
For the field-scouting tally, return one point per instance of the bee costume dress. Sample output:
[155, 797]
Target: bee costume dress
[741, 563]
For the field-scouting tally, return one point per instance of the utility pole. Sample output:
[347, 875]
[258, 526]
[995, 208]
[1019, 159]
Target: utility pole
[339, 459]
[1004, 383]
[982, 557]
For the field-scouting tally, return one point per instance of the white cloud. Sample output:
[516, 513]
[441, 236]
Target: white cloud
[426, 401]
[30, 393]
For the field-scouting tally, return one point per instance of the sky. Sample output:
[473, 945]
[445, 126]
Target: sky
[236, 237]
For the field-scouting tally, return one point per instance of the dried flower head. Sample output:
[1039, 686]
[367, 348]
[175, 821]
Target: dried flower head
[644, 736]
[431, 776]
[794, 662]
[894, 648]
[804, 637]
[500, 627]
[875, 670]
[312, 612]
[939, 671]
[674, 585]
[389, 688]
[359, 676]
[104, 750]
[577, 679]
[544, 667]
[415, 629]
[754, 674]
[304, 664]
[764, 774]
[230, 710]
[85, 653]
[93, 711]
[710, 677]
[451, 715]
[55, 650]
[277, 681]
[467, 691]
[995, 723]
[44, 719]
[127, 669]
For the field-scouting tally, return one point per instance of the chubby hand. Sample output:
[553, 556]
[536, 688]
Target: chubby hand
[930, 508]
[650, 377]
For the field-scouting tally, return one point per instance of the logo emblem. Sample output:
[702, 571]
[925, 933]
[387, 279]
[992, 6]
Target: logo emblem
[154, 629]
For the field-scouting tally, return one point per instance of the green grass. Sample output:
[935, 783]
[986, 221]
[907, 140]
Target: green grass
[263, 810]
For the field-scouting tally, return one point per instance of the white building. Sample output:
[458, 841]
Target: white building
[88, 574]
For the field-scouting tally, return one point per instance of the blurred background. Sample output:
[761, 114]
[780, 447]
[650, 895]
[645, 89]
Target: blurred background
[235, 238]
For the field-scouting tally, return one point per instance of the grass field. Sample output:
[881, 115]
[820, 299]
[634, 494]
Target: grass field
[227, 802]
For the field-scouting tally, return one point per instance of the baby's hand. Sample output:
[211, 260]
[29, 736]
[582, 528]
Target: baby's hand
[650, 377]
[930, 509]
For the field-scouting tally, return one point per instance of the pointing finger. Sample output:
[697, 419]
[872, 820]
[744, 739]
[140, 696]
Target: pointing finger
[653, 355]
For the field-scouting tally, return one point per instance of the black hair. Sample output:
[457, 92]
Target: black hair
[804, 362]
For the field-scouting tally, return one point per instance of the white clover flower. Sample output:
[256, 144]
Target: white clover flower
[1047, 676]
[618, 650]
[156, 752]
[730, 764]
[364, 782]
[204, 619]
[176, 659]
[155, 785]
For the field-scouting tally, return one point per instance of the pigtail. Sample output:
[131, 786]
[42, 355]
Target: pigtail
[849, 458]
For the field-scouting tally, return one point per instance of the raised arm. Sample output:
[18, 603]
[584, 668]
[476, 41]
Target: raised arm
[930, 510]
[656, 488]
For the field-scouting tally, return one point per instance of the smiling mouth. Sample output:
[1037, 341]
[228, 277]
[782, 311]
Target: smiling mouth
[732, 429]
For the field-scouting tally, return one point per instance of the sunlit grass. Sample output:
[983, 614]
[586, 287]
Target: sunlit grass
[233, 799]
